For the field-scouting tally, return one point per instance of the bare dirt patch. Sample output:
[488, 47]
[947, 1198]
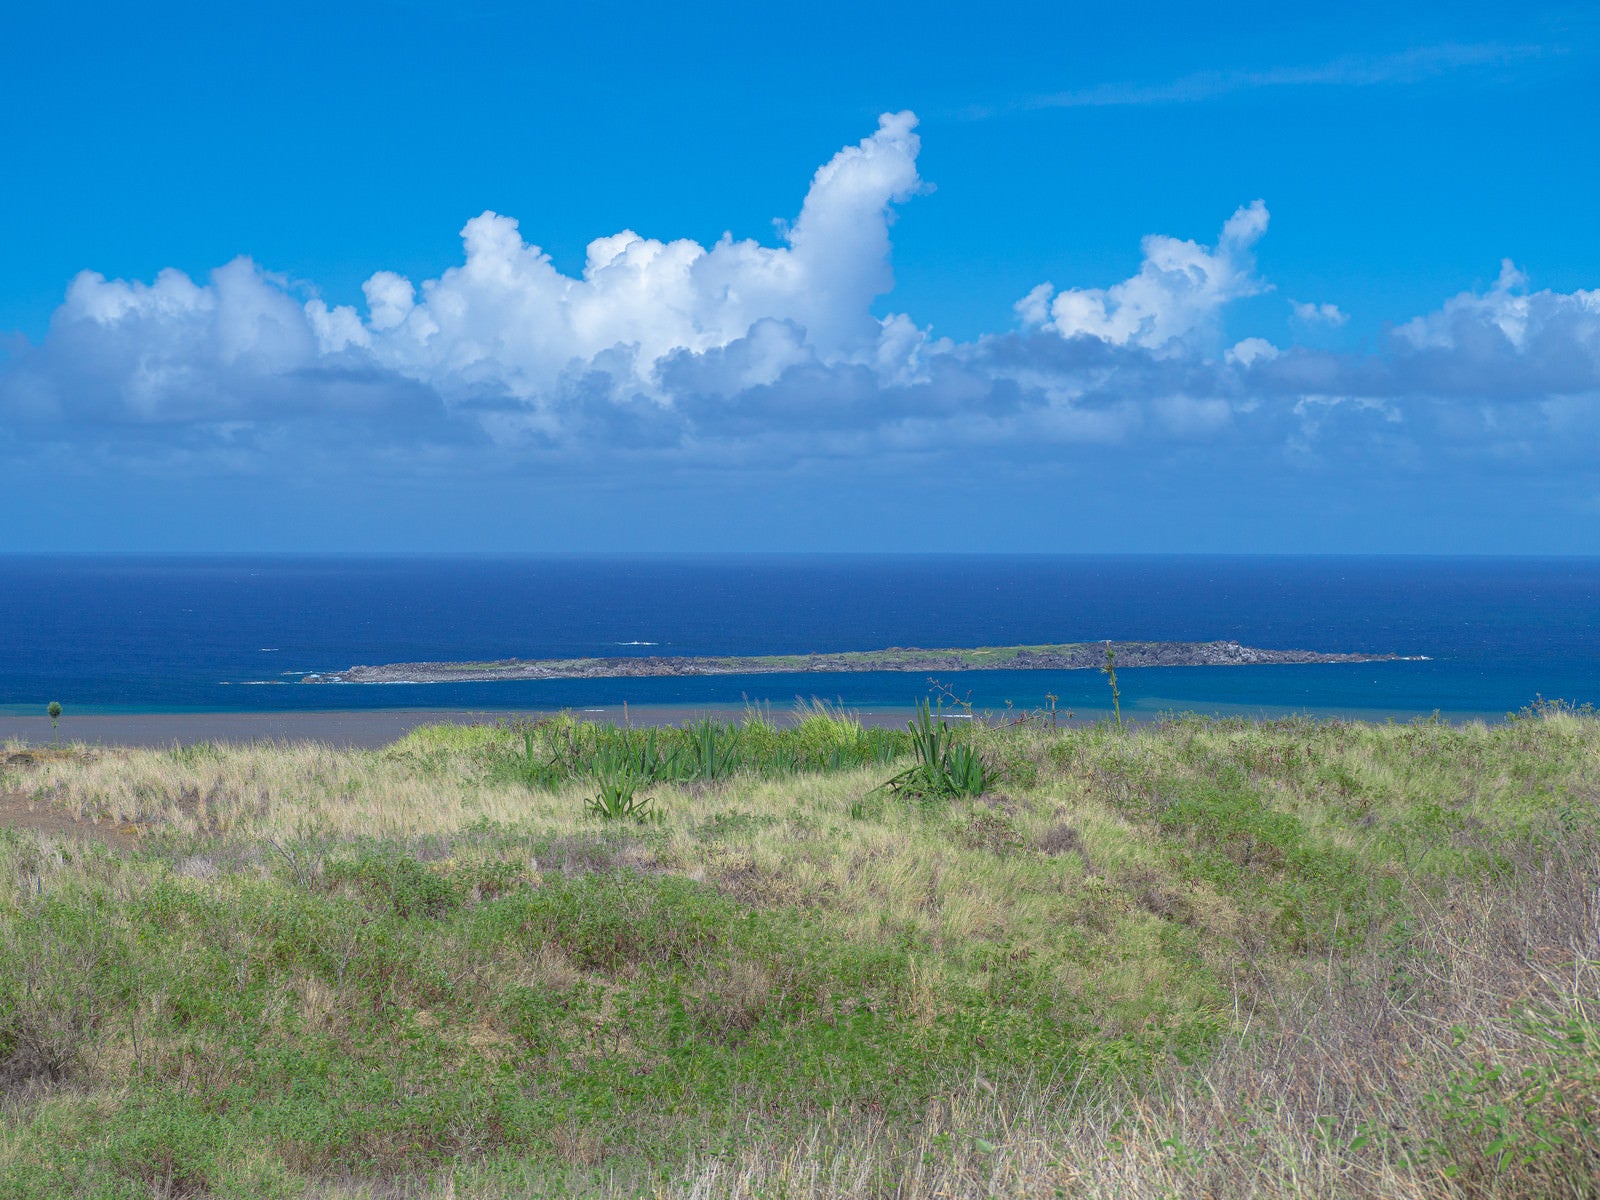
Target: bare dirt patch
[20, 812]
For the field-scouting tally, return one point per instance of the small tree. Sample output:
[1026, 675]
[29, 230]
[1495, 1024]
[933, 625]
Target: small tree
[55, 715]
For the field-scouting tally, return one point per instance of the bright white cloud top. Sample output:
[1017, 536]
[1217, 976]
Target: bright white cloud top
[507, 319]
[740, 352]
[1176, 299]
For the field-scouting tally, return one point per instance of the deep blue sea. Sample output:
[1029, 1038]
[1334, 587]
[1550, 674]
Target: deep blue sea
[170, 634]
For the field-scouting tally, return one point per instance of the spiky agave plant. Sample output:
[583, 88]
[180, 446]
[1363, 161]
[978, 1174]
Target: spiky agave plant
[931, 736]
[537, 771]
[944, 767]
[617, 798]
[636, 754]
[713, 749]
[965, 772]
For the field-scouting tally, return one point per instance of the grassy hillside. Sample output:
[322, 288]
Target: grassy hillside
[1191, 959]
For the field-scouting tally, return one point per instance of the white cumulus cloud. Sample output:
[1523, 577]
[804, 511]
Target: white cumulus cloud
[505, 325]
[741, 353]
[172, 349]
[1251, 349]
[1312, 314]
[1174, 301]
[1510, 311]
[508, 320]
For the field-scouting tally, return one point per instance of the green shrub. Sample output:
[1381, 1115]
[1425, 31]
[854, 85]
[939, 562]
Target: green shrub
[398, 882]
[54, 993]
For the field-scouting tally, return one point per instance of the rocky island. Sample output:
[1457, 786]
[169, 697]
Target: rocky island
[1067, 656]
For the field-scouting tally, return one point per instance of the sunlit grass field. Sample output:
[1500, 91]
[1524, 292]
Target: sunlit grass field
[1191, 958]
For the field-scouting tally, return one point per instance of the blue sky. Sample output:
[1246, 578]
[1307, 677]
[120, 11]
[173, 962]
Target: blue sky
[1015, 277]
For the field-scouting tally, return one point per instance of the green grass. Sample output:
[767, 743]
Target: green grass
[425, 970]
[559, 749]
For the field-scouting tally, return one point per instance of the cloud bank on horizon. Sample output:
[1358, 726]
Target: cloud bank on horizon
[740, 355]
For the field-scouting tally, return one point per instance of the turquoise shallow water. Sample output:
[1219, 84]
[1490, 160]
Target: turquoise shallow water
[171, 634]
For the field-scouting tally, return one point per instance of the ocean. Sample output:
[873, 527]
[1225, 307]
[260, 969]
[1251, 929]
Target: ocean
[142, 634]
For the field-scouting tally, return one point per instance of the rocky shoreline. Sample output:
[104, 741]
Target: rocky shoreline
[1069, 656]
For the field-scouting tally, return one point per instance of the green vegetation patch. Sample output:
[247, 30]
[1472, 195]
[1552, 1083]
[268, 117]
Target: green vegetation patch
[550, 996]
